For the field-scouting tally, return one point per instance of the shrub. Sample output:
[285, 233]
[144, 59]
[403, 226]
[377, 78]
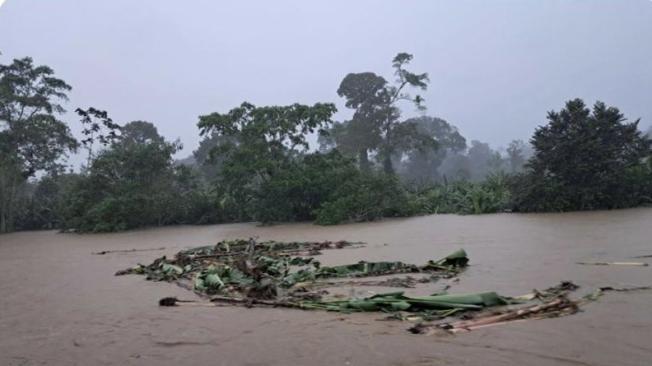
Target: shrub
[367, 197]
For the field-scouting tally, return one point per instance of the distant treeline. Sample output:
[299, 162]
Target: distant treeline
[256, 164]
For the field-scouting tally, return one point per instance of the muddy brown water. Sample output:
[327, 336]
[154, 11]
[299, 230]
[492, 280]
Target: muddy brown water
[61, 305]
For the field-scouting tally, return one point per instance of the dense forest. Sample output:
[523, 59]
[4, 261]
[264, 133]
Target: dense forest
[296, 163]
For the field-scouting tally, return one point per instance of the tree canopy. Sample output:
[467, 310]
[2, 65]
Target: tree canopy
[422, 164]
[131, 183]
[585, 159]
[375, 126]
[259, 142]
[32, 137]
[256, 163]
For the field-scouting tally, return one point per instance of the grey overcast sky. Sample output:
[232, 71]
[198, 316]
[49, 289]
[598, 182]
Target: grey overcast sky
[496, 66]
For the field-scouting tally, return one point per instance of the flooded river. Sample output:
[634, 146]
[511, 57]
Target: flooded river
[61, 305]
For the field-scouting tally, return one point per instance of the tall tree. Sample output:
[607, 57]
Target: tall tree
[140, 132]
[258, 142]
[32, 137]
[364, 92]
[131, 183]
[207, 157]
[375, 125]
[482, 160]
[422, 165]
[585, 159]
[516, 155]
[354, 138]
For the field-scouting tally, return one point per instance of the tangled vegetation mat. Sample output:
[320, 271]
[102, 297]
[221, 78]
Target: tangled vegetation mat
[286, 274]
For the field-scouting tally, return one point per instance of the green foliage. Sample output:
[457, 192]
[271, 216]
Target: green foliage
[255, 163]
[207, 158]
[134, 183]
[367, 196]
[32, 138]
[375, 126]
[258, 148]
[298, 192]
[422, 164]
[263, 171]
[97, 127]
[483, 161]
[42, 201]
[464, 197]
[515, 156]
[584, 160]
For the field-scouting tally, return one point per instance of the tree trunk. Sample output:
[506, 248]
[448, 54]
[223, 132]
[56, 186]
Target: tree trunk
[3, 200]
[3, 221]
[363, 160]
[5, 213]
[8, 182]
[9, 209]
[388, 149]
[387, 164]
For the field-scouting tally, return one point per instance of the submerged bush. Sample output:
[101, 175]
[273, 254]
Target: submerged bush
[298, 191]
[42, 201]
[134, 183]
[368, 197]
[463, 197]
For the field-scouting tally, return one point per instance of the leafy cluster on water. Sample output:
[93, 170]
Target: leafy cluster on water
[287, 274]
[256, 163]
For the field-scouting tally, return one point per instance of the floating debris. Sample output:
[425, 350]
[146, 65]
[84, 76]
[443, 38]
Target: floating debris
[173, 301]
[624, 289]
[555, 302]
[600, 291]
[278, 274]
[170, 301]
[127, 250]
[639, 264]
[282, 271]
[558, 307]
[445, 304]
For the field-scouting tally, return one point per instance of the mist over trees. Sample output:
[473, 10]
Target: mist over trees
[375, 127]
[424, 165]
[415, 148]
[257, 163]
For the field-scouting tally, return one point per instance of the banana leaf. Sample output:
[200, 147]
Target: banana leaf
[456, 259]
[170, 269]
[213, 278]
[364, 269]
[213, 281]
[397, 301]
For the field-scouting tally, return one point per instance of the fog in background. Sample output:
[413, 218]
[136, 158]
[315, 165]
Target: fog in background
[496, 67]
